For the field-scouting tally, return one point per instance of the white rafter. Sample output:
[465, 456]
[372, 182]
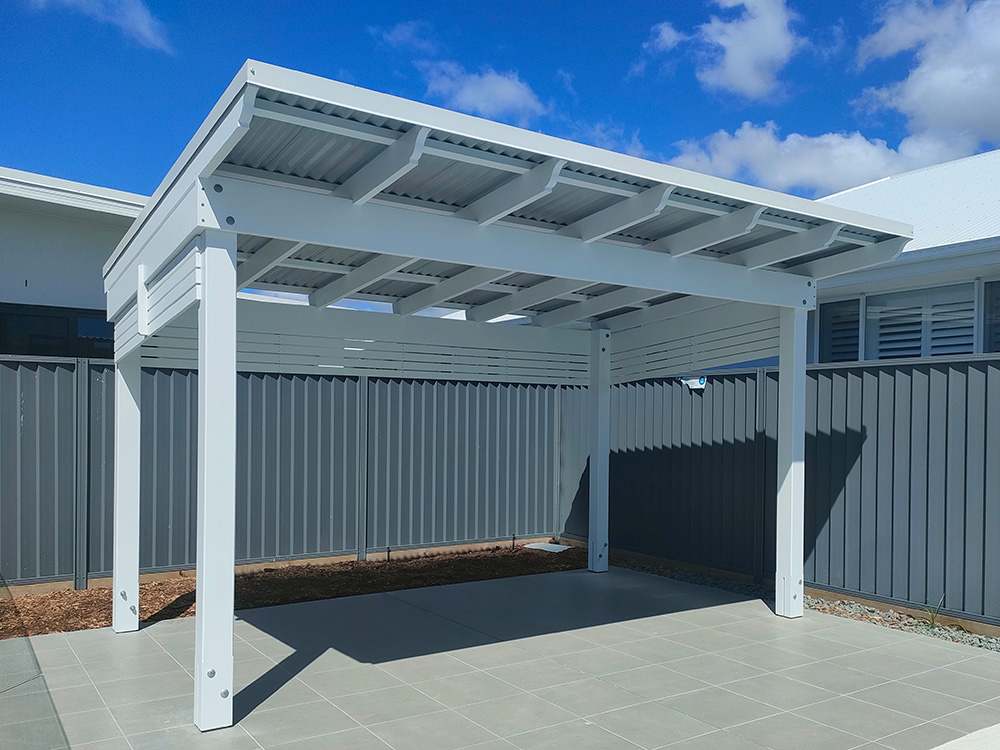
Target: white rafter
[787, 248]
[664, 311]
[594, 306]
[386, 168]
[853, 260]
[445, 290]
[521, 300]
[357, 280]
[621, 215]
[262, 261]
[711, 232]
[514, 194]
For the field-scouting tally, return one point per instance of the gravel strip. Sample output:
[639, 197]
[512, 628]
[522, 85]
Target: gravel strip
[844, 608]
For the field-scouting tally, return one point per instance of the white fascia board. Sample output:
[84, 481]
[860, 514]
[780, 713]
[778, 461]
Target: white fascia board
[395, 108]
[205, 147]
[55, 191]
[299, 216]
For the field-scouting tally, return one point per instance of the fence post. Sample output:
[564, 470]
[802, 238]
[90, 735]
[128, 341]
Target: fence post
[362, 504]
[760, 475]
[81, 501]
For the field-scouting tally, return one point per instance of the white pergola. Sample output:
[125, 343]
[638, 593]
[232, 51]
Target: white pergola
[617, 268]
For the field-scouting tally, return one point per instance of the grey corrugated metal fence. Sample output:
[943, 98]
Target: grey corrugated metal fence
[903, 471]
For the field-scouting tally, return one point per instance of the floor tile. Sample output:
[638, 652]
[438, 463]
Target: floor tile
[660, 625]
[880, 664]
[445, 730]
[790, 732]
[90, 726]
[142, 689]
[591, 696]
[55, 658]
[464, 689]
[714, 669]
[912, 700]
[956, 684]
[153, 716]
[515, 714]
[928, 651]
[578, 734]
[985, 665]
[554, 644]
[830, 676]
[708, 639]
[652, 725]
[657, 650]
[346, 739]
[359, 679]
[39, 734]
[600, 661]
[720, 740]
[188, 737]
[655, 682]
[813, 646]
[971, 719]
[386, 705]
[719, 707]
[123, 668]
[863, 635]
[778, 691]
[612, 634]
[427, 667]
[767, 658]
[858, 717]
[922, 737]
[537, 674]
[283, 725]
[494, 655]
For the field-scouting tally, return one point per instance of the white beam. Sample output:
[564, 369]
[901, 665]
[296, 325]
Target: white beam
[521, 300]
[270, 255]
[791, 463]
[664, 311]
[514, 194]
[600, 450]
[594, 306]
[788, 248]
[445, 290]
[711, 232]
[216, 529]
[621, 215]
[128, 460]
[386, 168]
[296, 215]
[358, 279]
[853, 260]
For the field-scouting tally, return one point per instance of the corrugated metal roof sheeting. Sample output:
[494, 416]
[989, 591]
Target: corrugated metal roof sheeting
[448, 182]
[958, 201]
[566, 204]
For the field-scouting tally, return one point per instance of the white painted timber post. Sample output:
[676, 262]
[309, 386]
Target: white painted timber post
[788, 588]
[213, 644]
[600, 449]
[128, 382]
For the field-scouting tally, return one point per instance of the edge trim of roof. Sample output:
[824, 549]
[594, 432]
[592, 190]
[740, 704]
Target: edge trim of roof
[56, 191]
[392, 107]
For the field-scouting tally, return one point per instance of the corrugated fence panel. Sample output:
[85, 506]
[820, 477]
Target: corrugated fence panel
[574, 452]
[101, 476]
[38, 422]
[454, 462]
[684, 471]
[903, 483]
[297, 466]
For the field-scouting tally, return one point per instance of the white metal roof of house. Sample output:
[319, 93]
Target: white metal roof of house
[57, 194]
[330, 148]
[948, 204]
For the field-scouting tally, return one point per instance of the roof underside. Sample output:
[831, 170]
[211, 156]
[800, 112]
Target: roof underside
[319, 146]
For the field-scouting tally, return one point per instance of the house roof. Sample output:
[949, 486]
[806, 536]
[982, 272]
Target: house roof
[954, 203]
[340, 191]
[29, 191]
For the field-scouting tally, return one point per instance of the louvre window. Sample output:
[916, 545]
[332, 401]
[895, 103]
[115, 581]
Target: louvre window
[991, 322]
[922, 323]
[839, 331]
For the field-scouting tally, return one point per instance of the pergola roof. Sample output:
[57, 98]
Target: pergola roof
[480, 216]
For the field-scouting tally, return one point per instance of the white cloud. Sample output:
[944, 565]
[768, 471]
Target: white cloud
[744, 55]
[132, 18]
[813, 165]
[663, 37]
[415, 35]
[502, 96]
[952, 92]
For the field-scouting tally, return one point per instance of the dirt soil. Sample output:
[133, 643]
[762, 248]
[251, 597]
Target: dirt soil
[63, 611]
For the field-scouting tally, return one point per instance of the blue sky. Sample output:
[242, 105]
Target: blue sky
[799, 96]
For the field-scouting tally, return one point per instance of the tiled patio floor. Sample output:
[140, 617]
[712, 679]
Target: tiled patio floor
[564, 660]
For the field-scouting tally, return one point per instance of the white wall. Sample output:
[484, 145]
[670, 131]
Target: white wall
[53, 260]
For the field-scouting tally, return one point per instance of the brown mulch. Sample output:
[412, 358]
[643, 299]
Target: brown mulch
[63, 611]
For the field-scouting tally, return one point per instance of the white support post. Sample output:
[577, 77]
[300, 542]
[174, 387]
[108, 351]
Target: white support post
[213, 644]
[788, 588]
[128, 379]
[600, 449]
